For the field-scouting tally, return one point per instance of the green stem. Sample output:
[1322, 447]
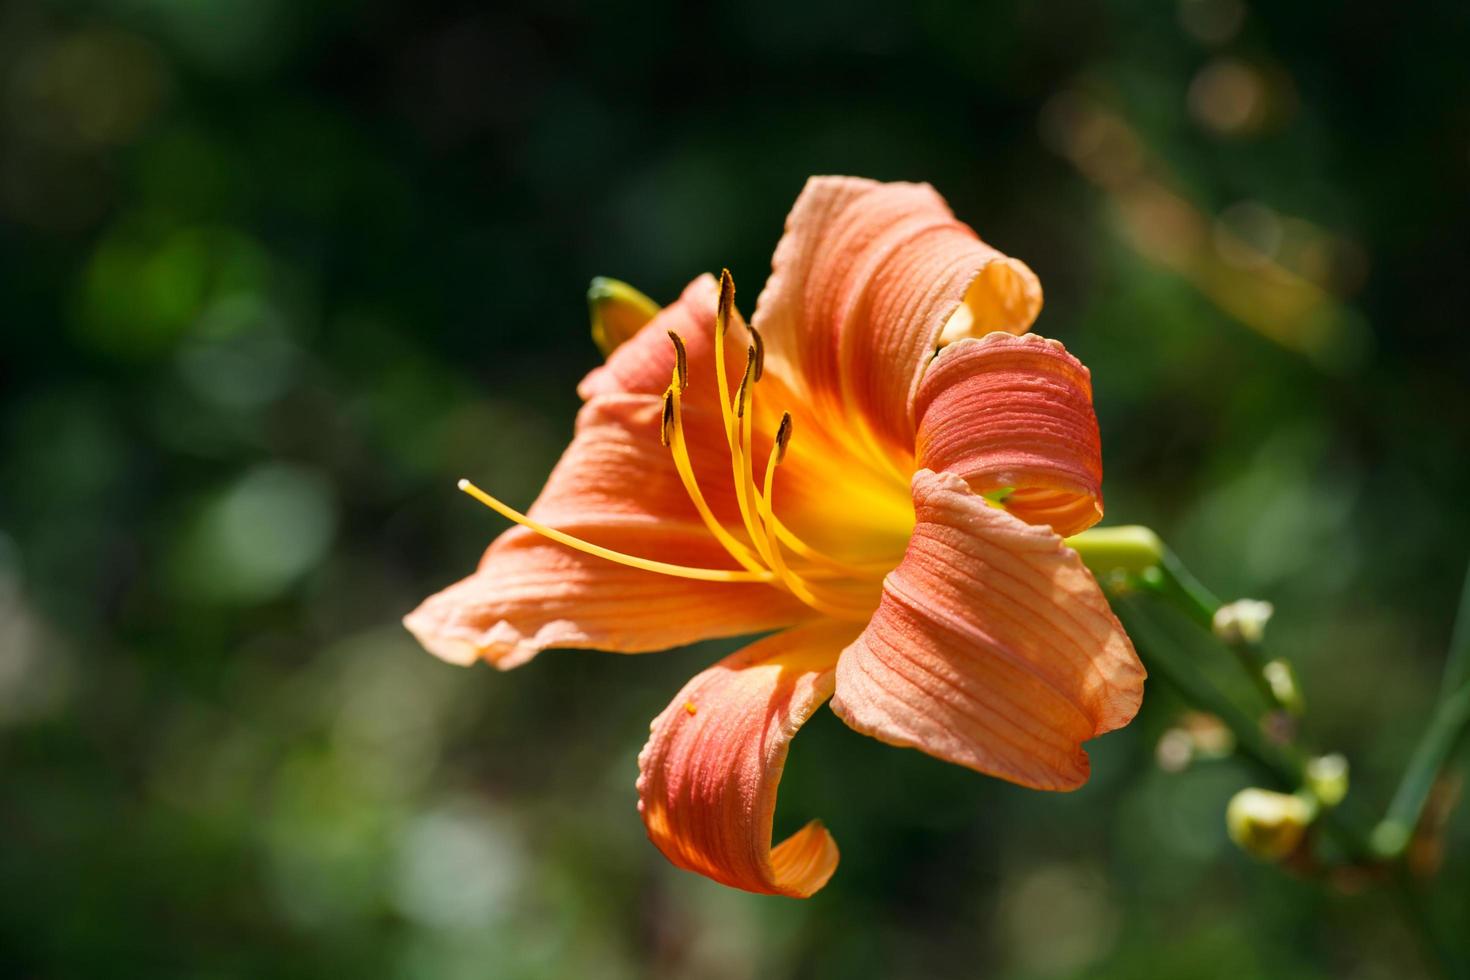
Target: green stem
[1439, 741]
[1421, 919]
[1457, 663]
[1135, 554]
[1187, 592]
[1283, 764]
[1178, 584]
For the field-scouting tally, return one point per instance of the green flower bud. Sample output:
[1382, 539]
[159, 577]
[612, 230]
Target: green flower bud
[618, 311]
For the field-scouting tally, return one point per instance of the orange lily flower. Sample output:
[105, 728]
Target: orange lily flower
[895, 518]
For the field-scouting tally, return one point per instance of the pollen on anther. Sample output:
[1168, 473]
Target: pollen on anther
[681, 361]
[783, 436]
[727, 295]
[759, 344]
[689, 707]
[746, 380]
[666, 424]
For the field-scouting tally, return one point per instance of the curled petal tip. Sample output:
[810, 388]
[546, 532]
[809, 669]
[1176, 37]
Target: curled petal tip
[708, 776]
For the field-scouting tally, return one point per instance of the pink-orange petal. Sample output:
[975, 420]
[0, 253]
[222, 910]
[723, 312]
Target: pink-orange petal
[993, 647]
[707, 778]
[1015, 412]
[530, 594]
[616, 486]
[862, 285]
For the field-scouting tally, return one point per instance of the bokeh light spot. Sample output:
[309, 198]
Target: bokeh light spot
[269, 528]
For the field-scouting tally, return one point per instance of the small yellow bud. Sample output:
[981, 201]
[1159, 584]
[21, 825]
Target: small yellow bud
[618, 312]
[1281, 679]
[1268, 825]
[1196, 735]
[1243, 622]
[1327, 778]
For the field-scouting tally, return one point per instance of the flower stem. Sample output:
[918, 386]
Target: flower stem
[1187, 592]
[1168, 579]
[1283, 764]
[1457, 663]
[1446, 729]
[1138, 556]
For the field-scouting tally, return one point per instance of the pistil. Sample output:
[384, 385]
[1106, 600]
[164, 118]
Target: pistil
[632, 561]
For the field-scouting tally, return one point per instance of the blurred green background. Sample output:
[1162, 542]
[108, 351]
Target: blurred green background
[274, 274]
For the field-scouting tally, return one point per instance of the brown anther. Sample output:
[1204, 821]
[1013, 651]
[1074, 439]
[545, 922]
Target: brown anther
[727, 297]
[681, 362]
[666, 426]
[783, 436]
[745, 382]
[759, 343]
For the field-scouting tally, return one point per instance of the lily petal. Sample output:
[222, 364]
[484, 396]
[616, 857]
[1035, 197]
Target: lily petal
[1015, 412]
[993, 647]
[530, 594]
[864, 281]
[708, 776]
[615, 486]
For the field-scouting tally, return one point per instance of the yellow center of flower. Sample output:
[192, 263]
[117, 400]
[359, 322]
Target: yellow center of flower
[829, 585]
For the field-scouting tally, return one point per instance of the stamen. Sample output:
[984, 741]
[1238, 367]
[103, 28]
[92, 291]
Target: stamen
[832, 605]
[667, 423]
[722, 323]
[681, 362]
[632, 561]
[762, 558]
[740, 463]
[789, 538]
[682, 463]
[746, 380]
[672, 435]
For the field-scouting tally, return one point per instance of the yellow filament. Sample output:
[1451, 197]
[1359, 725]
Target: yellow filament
[750, 497]
[790, 539]
[632, 561]
[797, 586]
[722, 318]
[740, 463]
[683, 464]
[761, 559]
